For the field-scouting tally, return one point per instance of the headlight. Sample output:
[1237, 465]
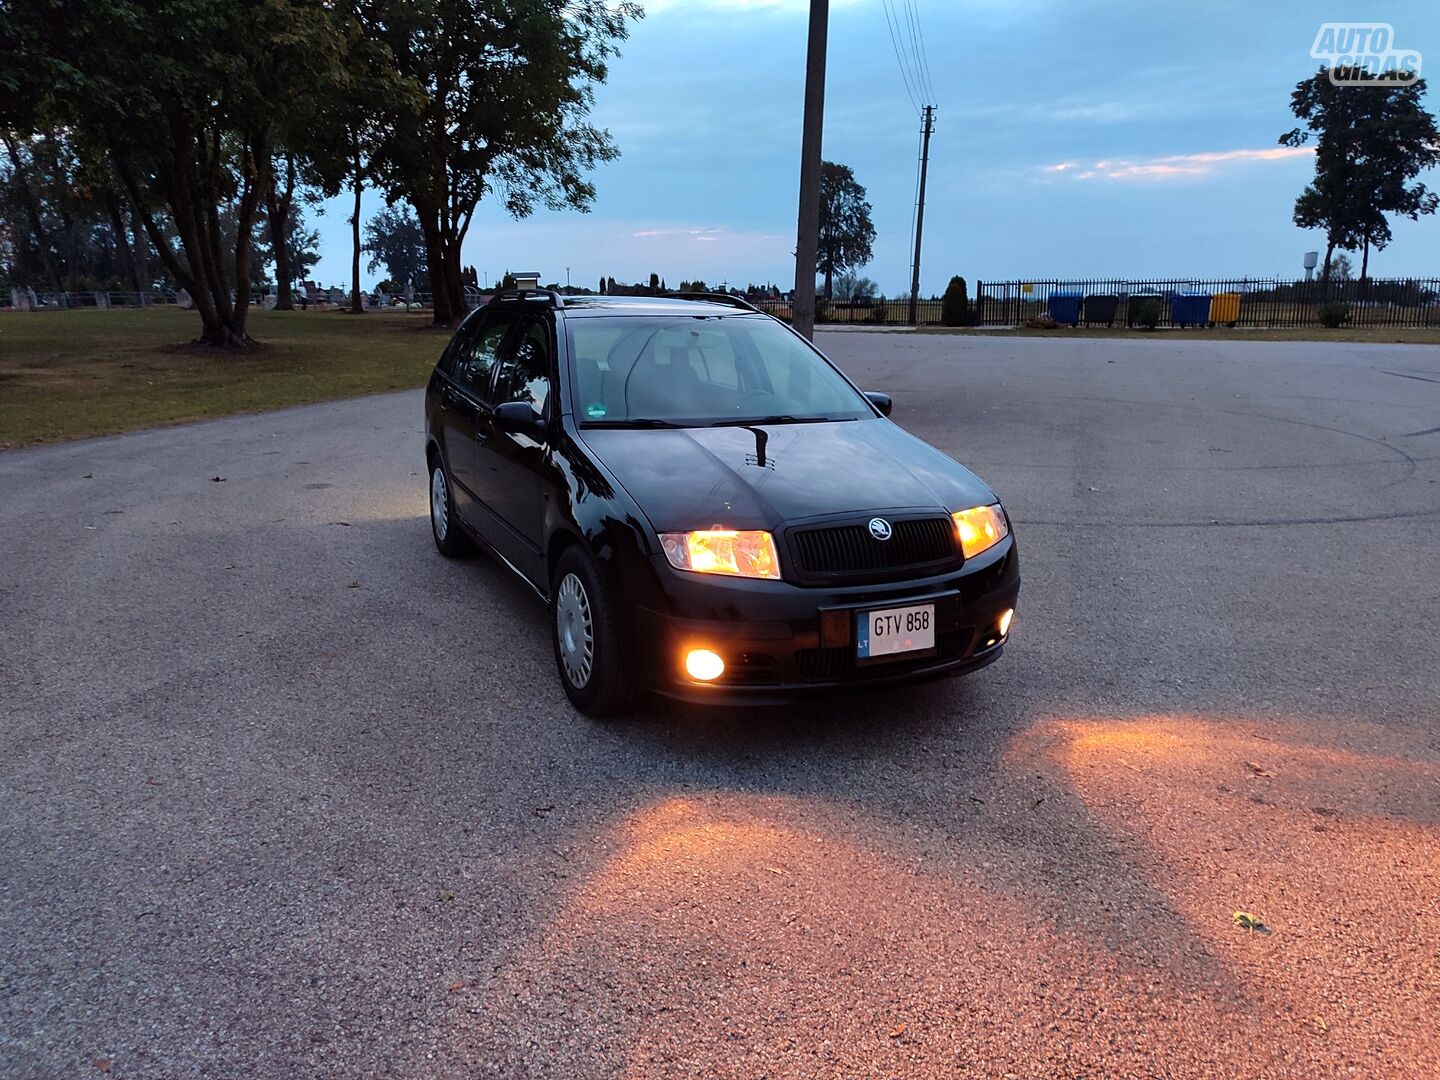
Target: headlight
[980, 528]
[722, 551]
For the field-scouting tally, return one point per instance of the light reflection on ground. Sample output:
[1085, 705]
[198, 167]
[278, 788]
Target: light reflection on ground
[1078, 921]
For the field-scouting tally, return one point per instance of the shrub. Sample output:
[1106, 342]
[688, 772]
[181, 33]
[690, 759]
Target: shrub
[1041, 322]
[1334, 314]
[880, 310]
[1148, 317]
[955, 307]
[822, 309]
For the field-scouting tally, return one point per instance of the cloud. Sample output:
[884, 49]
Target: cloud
[1173, 166]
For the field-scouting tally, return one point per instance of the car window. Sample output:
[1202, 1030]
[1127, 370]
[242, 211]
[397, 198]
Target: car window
[524, 371]
[700, 370]
[475, 358]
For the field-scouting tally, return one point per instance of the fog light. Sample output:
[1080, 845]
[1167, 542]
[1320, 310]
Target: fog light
[702, 665]
[1005, 621]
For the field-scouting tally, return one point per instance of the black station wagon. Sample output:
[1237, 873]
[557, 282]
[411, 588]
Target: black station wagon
[711, 509]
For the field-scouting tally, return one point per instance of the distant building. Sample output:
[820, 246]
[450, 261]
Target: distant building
[526, 279]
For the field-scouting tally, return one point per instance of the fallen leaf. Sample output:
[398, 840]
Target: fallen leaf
[446, 895]
[352, 584]
[344, 523]
[1246, 921]
[459, 984]
[896, 1032]
[541, 811]
[1036, 804]
[217, 479]
[1258, 770]
[88, 476]
[1325, 811]
[101, 1064]
[776, 870]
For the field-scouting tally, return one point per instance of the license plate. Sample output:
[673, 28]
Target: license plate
[892, 631]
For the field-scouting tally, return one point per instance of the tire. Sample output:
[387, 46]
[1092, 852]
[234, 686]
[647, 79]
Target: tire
[450, 538]
[586, 634]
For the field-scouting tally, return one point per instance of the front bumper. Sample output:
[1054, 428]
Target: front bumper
[778, 641]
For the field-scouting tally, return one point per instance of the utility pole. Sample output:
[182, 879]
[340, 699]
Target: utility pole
[807, 234]
[920, 211]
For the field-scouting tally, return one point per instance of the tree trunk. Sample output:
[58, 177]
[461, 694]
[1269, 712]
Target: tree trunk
[32, 211]
[1364, 263]
[279, 204]
[455, 279]
[356, 307]
[441, 312]
[140, 251]
[122, 242]
[829, 284]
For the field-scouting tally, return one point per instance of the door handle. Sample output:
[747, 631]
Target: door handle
[482, 435]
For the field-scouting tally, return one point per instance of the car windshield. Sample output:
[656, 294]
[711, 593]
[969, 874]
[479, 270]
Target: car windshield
[689, 371]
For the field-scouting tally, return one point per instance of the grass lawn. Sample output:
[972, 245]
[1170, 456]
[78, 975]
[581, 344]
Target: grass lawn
[71, 374]
[1355, 335]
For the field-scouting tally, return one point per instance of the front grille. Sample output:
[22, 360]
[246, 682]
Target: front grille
[839, 665]
[835, 552]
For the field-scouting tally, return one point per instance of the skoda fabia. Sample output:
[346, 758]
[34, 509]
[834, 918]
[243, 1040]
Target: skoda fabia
[709, 507]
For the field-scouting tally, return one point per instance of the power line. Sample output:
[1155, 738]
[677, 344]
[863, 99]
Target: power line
[901, 57]
[912, 12]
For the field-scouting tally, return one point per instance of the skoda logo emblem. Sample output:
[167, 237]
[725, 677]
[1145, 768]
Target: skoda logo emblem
[880, 529]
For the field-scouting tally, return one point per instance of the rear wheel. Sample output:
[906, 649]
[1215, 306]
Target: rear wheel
[450, 540]
[588, 645]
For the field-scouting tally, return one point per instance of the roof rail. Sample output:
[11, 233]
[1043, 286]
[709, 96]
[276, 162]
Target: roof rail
[555, 299]
[719, 298]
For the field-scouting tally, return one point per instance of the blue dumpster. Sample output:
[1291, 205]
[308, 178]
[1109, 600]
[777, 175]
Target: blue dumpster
[1064, 305]
[1190, 309]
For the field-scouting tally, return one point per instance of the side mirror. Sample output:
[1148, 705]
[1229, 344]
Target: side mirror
[519, 418]
[880, 401]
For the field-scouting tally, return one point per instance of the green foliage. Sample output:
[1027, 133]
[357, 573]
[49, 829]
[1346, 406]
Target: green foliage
[955, 307]
[1333, 315]
[880, 312]
[846, 231]
[184, 100]
[393, 240]
[1371, 142]
[497, 102]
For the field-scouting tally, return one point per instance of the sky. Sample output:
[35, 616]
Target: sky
[1073, 139]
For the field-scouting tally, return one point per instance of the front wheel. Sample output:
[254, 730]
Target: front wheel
[588, 644]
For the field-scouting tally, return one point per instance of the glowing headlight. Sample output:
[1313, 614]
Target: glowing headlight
[723, 551]
[980, 528]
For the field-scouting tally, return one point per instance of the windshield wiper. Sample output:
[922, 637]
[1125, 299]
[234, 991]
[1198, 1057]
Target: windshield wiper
[638, 422]
[778, 418]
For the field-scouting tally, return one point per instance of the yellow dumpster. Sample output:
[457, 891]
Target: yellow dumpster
[1225, 308]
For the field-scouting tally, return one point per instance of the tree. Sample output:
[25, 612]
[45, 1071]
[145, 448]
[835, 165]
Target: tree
[187, 99]
[394, 241]
[955, 307]
[1372, 139]
[502, 93]
[293, 259]
[846, 231]
[851, 286]
[1341, 268]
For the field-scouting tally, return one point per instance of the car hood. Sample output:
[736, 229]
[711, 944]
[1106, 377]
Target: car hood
[761, 476]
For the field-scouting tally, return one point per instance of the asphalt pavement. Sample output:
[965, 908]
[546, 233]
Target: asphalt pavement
[285, 794]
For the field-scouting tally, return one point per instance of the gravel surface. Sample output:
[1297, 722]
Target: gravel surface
[284, 794]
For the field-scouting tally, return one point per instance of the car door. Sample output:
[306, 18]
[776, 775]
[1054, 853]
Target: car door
[465, 407]
[511, 482]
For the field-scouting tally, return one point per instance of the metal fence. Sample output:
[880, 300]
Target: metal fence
[1251, 302]
[862, 312]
